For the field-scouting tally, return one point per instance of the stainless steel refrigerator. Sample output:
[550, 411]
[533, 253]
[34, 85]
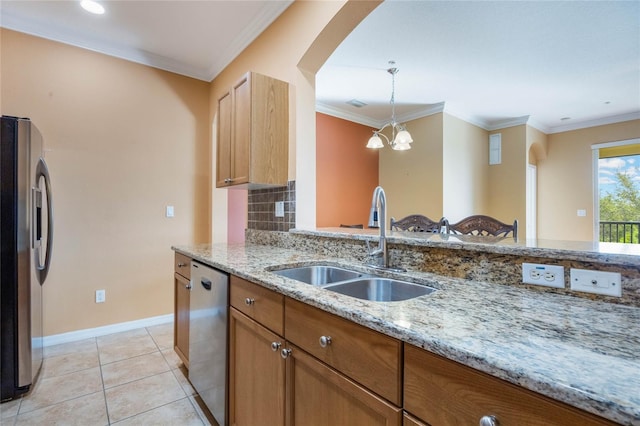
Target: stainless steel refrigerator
[26, 233]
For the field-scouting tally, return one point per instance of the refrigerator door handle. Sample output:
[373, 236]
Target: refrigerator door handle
[42, 268]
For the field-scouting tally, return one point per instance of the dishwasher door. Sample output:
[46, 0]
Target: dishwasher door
[208, 337]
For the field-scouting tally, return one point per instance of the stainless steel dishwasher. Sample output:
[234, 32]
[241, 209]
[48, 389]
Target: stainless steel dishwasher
[208, 337]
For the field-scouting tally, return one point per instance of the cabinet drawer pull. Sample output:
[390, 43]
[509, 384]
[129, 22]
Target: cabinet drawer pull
[285, 353]
[489, 421]
[181, 265]
[249, 301]
[325, 341]
[275, 346]
[188, 286]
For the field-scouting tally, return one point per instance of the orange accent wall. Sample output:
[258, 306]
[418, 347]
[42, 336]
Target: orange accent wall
[343, 162]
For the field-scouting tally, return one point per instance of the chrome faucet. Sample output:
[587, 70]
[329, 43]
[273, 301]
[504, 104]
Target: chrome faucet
[378, 218]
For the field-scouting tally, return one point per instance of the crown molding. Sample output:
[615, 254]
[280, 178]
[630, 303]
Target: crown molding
[346, 115]
[597, 122]
[368, 121]
[271, 10]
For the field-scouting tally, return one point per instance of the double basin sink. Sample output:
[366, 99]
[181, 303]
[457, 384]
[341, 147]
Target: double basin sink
[356, 284]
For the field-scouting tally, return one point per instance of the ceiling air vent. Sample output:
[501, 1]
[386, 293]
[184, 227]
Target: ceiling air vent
[356, 103]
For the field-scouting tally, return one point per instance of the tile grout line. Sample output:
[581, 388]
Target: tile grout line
[104, 392]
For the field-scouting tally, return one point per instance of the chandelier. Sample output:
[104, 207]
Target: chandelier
[400, 137]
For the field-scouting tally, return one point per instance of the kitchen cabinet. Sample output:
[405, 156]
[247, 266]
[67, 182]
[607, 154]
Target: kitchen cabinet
[364, 355]
[443, 392]
[320, 395]
[182, 287]
[253, 133]
[256, 373]
[408, 420]
[256, 368]
[265, 388]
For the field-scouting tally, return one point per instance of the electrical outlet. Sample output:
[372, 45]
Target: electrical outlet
[279, 208]
[100, 296]
[546, 275]
[598, 282]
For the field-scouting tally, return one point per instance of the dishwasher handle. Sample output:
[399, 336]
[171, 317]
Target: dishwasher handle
[206, 283]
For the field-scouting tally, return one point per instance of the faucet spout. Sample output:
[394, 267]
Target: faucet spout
[378, 217]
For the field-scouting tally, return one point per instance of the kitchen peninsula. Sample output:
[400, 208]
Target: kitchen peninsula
[581, 352]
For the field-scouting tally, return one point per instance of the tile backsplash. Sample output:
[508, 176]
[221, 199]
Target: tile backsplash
[261, 210]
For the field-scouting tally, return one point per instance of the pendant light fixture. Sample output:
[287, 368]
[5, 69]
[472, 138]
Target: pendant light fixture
[400, 137]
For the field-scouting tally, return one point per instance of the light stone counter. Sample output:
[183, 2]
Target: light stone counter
[585, 353]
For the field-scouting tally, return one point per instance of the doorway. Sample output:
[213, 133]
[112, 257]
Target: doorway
[616, 184]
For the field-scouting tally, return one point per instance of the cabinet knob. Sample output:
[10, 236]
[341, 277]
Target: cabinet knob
[325, 341]
[181, 265]
[275, 346]
[188, 286]
[489, 421]
[249, 301]
[285, 353]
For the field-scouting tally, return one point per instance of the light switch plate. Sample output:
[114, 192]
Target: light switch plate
[598, 282]
[169, 211]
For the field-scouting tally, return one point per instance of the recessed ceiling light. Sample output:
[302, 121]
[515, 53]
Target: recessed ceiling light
[92, 7]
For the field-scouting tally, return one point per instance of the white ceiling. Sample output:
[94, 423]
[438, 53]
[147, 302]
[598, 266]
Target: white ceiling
[193, 38]
[489, 62]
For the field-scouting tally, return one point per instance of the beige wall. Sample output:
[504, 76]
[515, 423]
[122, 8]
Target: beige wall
[292, 49]
[465, 169]
[565, 180]
[122, 141]
[412, 179]
[507, 181]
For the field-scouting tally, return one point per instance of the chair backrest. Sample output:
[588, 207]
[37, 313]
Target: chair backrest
[483, 225]
[417, 223]
[358, 226]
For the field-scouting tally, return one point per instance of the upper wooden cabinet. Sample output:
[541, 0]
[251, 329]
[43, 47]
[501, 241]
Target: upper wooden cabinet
[253, 133]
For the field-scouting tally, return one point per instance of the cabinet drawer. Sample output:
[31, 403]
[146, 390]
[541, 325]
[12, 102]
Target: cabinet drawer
[182, 265]
[256, 302]
[364, 355]
[444, 392]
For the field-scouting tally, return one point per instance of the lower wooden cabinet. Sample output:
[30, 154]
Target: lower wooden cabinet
[408, 420]
[319, 395]
[442, 392]
[256, 373]
[181, 317]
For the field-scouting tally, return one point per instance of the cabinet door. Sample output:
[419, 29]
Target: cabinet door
[256, 374]
[241, 134]
[443, 392]
[319, 395]
[181, 317]
[223, 143]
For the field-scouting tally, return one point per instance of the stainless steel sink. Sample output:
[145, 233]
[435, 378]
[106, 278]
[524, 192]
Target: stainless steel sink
[380, 289]
[319, 274]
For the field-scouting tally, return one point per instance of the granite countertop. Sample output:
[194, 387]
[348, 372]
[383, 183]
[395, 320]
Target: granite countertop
[581, 352]
[616, 253]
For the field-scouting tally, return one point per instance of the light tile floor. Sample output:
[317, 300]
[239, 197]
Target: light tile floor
[128, 378]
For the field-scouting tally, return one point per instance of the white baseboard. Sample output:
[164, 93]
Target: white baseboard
[74, 336]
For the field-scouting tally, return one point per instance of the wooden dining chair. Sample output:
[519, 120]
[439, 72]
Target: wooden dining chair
[417, 223]
[483, 225]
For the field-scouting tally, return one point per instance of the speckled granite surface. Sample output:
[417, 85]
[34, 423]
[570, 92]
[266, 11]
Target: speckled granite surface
[582, 352]
[495, 260]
